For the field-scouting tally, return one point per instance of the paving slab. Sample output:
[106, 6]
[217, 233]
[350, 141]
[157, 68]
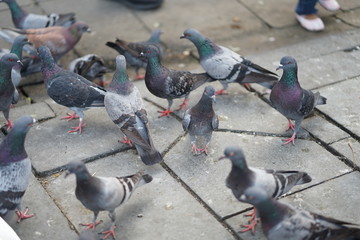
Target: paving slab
[348, 4]
[49, 220]
[322, 199]
[344, 106]
[217, 20]
[350, 148]
[198, 171]
[100, 137]
[350, 17]
[161, 209]
[117, 21]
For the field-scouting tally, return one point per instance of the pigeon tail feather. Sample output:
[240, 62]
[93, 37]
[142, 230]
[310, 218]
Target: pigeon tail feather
[319, 100]
[149, 158]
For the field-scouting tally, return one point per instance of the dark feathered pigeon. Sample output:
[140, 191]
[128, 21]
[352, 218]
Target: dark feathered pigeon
[15, 169]
[290, 99]
[8, 93]
[167, 83]
[227, 66]
[25, 20]
[124, 105]
[69, 89]
[275, 183]
[90, 66]
[201, 120]
[104, 193]
[283, 221]
[59, 40]
[131, 50]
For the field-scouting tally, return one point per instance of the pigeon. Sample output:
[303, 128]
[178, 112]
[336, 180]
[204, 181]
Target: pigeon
[25, 20]
[59, 40]
[8, 93]
[7, 232]
[242, 177]
[131, 50]
[90, 66]
[125, 108]
[226, 65]
[168, 83]
[15, 169]
[16, 48]
[69, 89]
[290, 99]
[201, 120]
[283, 221]
[104, 193]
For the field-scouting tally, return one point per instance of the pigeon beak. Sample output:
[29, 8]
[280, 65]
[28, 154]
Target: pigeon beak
[213, 98]
[18, 61]
[243, 197]
[222, 157]
[182, 36]
[67, 173]
[88, 30]
[141, 54]
[280, 67]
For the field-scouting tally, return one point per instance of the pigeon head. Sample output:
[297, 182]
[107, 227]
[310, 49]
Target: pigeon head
[287, 62]
[80, 27]
[9, 60]
[150, 51]
[236, 156]
[254, 196]
[155, 36]
[120, 82]
[44, 53]
[210, 92]
[23, 124]
[78, 168]
[21, 40]
[191, 34]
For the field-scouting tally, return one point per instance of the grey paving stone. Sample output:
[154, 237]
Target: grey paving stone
[161, 209]
[99, 137]
[350, 148]
[206, 175]
[348, 4]
[37, 92]
[116, 21]
[213, 18]
[343, 104]
[322, 199]
[48, 223]
[350, 17]
[324, 130]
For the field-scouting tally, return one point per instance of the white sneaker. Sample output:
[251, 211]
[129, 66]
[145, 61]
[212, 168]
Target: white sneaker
[331, 5]
[311, 24]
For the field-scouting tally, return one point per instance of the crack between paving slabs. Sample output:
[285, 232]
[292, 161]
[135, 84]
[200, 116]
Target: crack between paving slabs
[333, 83]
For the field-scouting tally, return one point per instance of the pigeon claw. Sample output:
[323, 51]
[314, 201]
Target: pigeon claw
[221, 92]
[77, 128]
[198, 151]
[139, 77]
[9, 125]
[252, 215]
[126, 141]
[290, 140]
[23, 215]
[90, 225]
[70, 116]
[250, 226]
[247, 86]
[109, 233]
[184, 104]
[165, 113]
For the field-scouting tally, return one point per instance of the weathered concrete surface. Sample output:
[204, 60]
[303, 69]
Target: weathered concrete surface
[350, 148]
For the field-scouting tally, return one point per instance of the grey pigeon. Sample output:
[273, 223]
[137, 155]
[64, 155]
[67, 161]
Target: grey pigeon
[90, 66]
[131, 50]
[201, 120]
[104, 193]
[283, 221]
[69, 89]
[16, 48]
[167, 83]
[59, 40]
[242, 177]
[8, 93]
[25, 20]
[226, 65]
[125, 108]
[15, 170]
[290, 99]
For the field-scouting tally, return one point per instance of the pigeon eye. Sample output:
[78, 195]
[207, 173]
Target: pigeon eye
[231, 154]
[289, 62]
[10, 60]
[187, 34]
[148, 51]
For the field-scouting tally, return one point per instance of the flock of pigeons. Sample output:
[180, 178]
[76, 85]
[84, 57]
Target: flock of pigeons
[47, 38]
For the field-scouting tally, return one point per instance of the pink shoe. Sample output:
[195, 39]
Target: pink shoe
[310, 22]
[331, 5]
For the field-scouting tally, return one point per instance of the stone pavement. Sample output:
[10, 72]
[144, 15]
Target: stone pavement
[188, 198]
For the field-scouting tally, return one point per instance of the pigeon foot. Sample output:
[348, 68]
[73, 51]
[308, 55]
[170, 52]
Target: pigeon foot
[290, 140]
[198, 151]
[90, 225]
[221, 92]
[165, 113]
[23, 215]
[250, 226]
[70, 116]
[139, 77]
[109, 233]
[184, 104]
[290, 126]
[247, 86]
[126, 141]
[9, 125]
[78, 128]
